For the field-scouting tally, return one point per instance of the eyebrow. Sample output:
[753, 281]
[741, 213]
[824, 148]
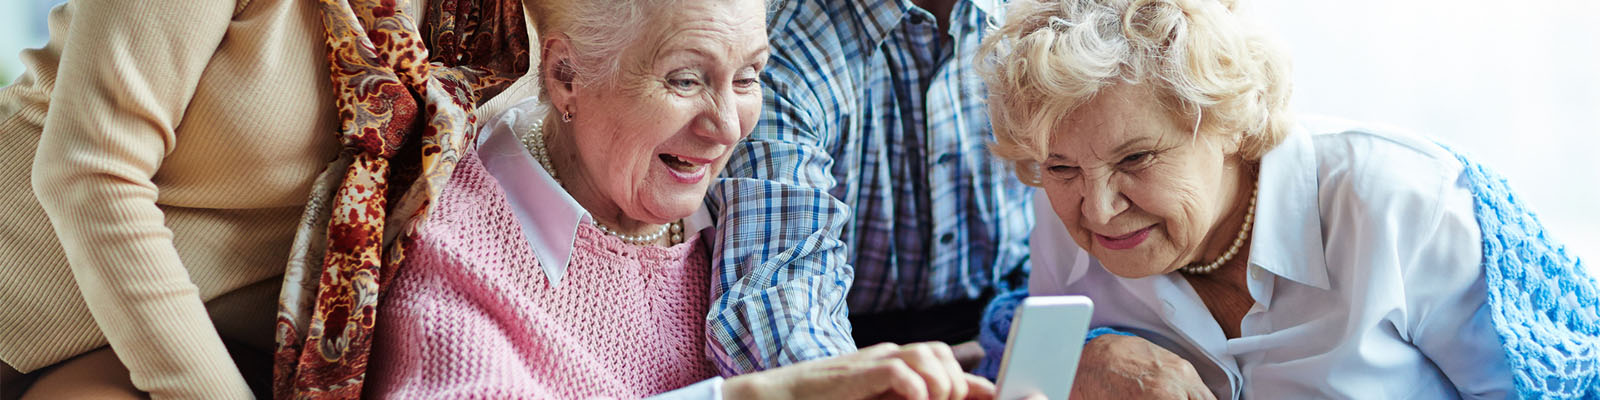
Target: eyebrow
[765, 49]
[685, 51]
[1121, 148]
[674, 50]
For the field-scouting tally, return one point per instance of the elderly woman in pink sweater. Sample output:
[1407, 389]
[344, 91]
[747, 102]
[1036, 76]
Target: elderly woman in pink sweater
[565, 258]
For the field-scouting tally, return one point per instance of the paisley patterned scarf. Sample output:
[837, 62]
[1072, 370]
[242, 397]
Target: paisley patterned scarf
[406, 117]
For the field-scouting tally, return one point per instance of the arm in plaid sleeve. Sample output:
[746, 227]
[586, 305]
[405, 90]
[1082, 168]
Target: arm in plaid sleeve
[778, 291]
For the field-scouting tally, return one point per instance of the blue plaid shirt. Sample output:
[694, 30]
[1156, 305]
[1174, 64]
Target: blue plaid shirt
[870, 152]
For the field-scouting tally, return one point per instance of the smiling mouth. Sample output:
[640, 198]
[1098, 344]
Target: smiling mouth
[679, 164]
[1126, 241]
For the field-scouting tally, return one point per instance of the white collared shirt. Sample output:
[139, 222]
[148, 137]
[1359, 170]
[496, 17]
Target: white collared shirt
[548, 215]
[1364, 267]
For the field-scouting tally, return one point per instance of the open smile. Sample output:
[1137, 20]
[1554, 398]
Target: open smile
[685, 169]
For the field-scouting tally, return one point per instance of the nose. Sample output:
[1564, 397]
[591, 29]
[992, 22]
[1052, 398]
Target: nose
[719, 123]
[1102, 201]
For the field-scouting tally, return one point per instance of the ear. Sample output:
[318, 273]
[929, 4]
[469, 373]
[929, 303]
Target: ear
[556, 73]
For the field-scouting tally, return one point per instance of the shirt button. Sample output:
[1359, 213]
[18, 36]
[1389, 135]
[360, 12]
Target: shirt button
[947, 238]
[1255, 273]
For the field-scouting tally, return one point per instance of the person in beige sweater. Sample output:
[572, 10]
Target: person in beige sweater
[170, 147]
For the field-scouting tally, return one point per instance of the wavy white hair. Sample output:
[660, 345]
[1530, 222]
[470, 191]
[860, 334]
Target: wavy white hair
[1052, 56]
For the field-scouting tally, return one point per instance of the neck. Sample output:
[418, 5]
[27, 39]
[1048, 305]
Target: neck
[1228, 228]
[579, 183]
[939, 8]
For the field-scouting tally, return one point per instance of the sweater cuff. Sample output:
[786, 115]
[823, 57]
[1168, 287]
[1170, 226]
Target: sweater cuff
[996, 329]
[710, 389]
[1104, 330]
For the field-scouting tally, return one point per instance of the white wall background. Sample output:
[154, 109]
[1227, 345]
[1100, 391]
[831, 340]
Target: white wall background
[1514, 83]
[22, 25]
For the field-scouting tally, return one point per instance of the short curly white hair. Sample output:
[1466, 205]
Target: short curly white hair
[599, 32]
[1052, 56]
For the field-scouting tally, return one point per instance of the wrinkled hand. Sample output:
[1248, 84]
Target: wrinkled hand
[885, 371]
[969, 354]
[1130, 367]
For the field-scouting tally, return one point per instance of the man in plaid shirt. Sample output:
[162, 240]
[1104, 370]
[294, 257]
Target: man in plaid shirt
[866, 196]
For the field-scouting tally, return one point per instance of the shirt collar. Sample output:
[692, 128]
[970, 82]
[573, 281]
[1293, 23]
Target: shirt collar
[879, 17]
[985, 8]
[1288, 221]
[548, 215]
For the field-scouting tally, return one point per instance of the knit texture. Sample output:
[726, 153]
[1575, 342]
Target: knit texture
[1544, 302]
[154, 156]
[471, 315]
[995, 329]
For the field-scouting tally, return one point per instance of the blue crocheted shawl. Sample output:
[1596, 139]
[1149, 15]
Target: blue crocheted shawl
[1545, 304]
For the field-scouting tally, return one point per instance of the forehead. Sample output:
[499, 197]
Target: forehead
[1117, 115]
[728, 28]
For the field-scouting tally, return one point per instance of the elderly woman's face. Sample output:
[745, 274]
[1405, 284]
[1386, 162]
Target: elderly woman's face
[1135, 187]
[655, 142]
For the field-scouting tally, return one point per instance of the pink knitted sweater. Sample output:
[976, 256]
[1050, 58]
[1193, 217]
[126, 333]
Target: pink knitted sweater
[471, 315]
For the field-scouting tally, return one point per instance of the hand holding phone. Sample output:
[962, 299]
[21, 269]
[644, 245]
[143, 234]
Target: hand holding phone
[1043, 347]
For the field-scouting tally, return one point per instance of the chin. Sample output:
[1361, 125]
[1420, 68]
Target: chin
[675, 206]
[1131, 269]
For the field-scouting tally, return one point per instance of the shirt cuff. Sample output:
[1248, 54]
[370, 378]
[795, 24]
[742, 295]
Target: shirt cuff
[710, 389]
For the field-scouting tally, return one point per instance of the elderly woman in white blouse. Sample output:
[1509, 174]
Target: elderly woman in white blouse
[1244, 253]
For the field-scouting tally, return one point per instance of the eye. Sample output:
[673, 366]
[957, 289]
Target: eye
[747, 78]
[683, 82]
[1136, 160]
[1062, 172]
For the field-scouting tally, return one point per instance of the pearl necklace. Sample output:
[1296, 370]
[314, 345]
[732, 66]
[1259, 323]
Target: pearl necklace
[676, 228]
[1238, 241]
[533, 140]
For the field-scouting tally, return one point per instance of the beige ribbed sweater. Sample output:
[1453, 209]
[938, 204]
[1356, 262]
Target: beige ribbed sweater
[171, 146]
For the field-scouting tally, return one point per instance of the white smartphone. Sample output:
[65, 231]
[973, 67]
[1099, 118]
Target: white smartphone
[1043, 347]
